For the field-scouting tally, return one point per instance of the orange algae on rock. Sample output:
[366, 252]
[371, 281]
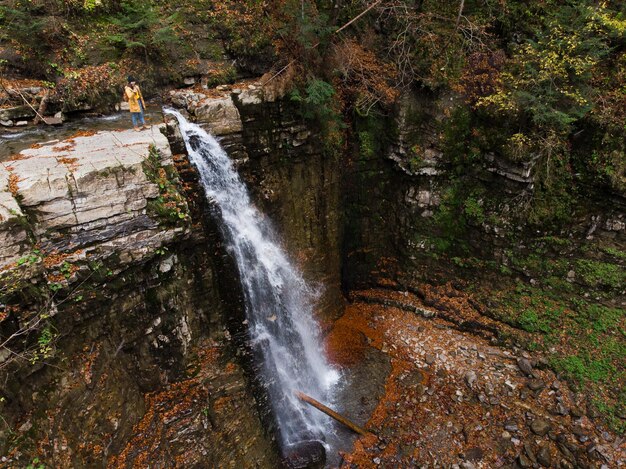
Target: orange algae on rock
[175, 403]
[349, 337]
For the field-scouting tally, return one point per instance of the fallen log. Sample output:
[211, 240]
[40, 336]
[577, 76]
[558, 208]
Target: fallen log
[331, 413]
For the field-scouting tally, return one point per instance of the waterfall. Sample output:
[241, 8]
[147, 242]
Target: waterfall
[279, 303]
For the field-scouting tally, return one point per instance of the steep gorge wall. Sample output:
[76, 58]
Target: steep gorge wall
[111, 234]
[420, 211]
[140, 285]
[289, 174]
[112, 303]
[407, 198]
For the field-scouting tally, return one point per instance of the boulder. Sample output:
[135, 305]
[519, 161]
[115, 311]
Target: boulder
[16, 113]
[540, 427]
[251, 96]
[305, 455]
[220, 114]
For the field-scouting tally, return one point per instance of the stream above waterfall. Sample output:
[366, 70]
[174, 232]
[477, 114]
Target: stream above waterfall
[15, 139]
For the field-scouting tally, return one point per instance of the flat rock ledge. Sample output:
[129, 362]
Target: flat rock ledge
[87, 195]
[218, 108]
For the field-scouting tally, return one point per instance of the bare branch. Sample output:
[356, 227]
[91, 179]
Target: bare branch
[458, 18]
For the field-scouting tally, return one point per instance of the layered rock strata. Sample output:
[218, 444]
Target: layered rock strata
[89, 192]
[291, 176]
[110, 293]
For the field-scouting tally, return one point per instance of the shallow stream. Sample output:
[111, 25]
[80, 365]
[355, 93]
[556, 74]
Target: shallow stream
[16, 139]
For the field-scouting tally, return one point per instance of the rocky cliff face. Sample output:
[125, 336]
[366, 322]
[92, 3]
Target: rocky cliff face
[290, 176]
[418, 213]
[408, 198]
[111, 306]
[87, 193]
[115, 295]
[116, 289]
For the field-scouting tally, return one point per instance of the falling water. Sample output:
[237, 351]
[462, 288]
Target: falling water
[279, 304]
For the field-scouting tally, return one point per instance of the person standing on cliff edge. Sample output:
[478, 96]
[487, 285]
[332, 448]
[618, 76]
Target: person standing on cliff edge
[133, 95]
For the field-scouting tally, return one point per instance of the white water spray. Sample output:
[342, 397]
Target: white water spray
[279, 304]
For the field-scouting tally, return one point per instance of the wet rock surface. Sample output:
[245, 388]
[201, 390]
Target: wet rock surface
[80, 215]
[294, 182]
[128, 289]
[129, 343]
[425, 374]
[305, 455]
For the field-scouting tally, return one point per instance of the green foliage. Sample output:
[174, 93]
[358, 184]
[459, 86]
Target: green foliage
[30, 259]
[534, 311]
[304, 31]
[601, 162]
[242, 27]
[91, 5]
[612, 412]
[139, 27]
[473, 210]
[36, 464]
[602, 318]
[562, 71]
[426, 48]
[583, 368]
[375, 134]
[367, 144]
[28, 24]
[616, 253]
[553, 199]
[584, 338]
[459, 146]
[60, 34]
[601, 274]
[45, 344]
[170, 206]
[461, 208]
[467, 137]
[317, 102]
[447, 215]
[554, 242]
[548, 78]
[540, 315]
[450, 221]
[66, 269]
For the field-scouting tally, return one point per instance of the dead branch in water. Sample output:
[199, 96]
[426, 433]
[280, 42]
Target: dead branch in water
[331, 413]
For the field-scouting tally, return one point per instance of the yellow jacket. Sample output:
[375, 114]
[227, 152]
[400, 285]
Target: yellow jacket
[134, 97]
